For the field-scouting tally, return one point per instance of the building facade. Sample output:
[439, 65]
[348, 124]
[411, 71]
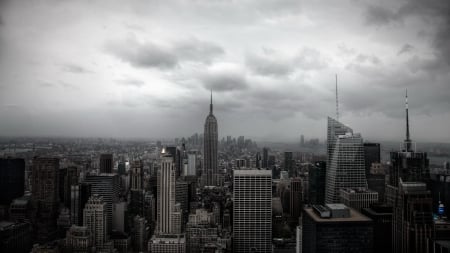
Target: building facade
[210, 145]
[252, 211]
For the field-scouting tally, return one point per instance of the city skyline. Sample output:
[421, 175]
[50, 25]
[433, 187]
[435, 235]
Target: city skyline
[144, 61]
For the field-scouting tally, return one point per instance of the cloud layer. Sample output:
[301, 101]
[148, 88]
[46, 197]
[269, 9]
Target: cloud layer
[145, 68]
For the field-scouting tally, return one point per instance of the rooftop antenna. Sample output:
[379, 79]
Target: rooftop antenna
[211, 105]
[408, 140]
[337, 101]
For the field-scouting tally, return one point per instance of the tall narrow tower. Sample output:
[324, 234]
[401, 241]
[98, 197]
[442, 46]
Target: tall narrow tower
[407, 140]
[210, 148]
[166, 194]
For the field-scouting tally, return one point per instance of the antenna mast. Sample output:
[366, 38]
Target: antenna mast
[337, 101]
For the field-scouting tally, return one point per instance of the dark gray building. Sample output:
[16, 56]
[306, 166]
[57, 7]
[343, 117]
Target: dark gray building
[336, 228]
[12, 179]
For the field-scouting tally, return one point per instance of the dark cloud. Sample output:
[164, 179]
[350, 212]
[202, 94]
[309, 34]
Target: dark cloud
[197, 50]
[407, 48]
[156, 55]
[269, 65]
[144, 55]
[273, 63]
[435, 13]
[378, 15]
[224, 80]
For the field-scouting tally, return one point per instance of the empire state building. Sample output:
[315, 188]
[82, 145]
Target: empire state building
[210, 140]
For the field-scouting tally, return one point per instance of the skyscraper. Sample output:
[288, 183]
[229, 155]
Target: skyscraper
[45, 197]
[252, 211]
[137, 175]
[346, 164]
[408, 164]
[94, 218]
[289, 163]
[12, 179]
[79, 195]
[407, 192]
[265, 158]
[166, 194]
[106, 186]
[412, 218]
[210, 141]
[106, 163]
[296, 198]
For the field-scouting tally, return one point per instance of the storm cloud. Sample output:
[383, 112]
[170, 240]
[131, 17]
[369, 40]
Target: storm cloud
[146, 68]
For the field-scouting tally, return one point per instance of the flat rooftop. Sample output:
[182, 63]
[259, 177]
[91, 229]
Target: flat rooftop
[355, 216]
[253, 172]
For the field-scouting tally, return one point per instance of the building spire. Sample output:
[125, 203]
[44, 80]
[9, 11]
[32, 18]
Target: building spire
[407, 140]
[337, 101]
[211, 105]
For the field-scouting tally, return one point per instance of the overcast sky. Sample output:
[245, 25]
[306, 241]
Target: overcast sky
[144, 68]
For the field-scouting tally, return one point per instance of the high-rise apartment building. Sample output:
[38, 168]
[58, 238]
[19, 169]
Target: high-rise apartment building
[210, 145]
[252, 211]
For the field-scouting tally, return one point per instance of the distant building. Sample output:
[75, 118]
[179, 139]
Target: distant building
[336, 228]
[316, 177]
[358, 198]
[376, 179]
[265, 158]
[192, 165]
[252, 211]
[296, 198]
[289, 163]
[372, 155]
[12, 179]
[106, 163]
